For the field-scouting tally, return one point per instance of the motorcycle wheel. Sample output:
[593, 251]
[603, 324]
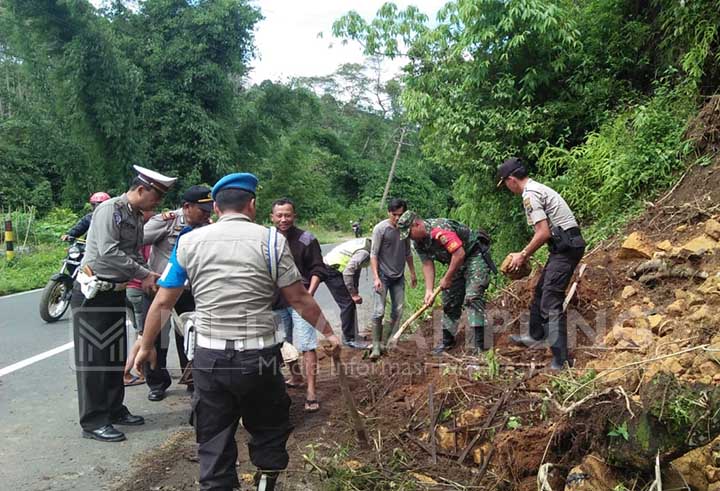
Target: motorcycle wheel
[54, 301]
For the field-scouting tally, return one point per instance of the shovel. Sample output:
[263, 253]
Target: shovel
[394, 339]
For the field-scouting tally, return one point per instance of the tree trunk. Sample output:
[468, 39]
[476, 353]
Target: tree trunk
[403, 130]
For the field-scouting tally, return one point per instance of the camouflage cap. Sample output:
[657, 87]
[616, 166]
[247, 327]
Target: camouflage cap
[405, 222]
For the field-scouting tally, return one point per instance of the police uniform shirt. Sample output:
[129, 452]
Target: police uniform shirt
[162, 231]
[115, 235]
[543, 203]
[228, 264]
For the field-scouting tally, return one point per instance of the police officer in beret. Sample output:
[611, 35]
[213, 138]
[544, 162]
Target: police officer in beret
[162, 232]
[112, 258]
[234, 267]
[555, 225]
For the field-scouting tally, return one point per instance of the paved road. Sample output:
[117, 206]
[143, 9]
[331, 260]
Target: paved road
[41, 444]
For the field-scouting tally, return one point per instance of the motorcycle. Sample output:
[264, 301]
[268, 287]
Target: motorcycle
[56, 295]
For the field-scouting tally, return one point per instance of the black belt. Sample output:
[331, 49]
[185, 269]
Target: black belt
[574, 231]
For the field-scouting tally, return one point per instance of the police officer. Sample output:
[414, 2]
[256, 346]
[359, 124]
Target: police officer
[162, 231]
[554, 223]
[235, 266]
[98, 302]
[467, 276]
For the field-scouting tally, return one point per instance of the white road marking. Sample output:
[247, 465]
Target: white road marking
[3, 297]
[35, 359]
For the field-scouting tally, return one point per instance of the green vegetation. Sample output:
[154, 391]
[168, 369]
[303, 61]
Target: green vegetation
[30, 271]
[39, 250]
[88, 92]
[594, 95]
[620, 431]
[566, 383]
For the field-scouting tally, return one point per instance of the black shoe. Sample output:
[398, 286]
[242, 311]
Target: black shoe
[156, 395]
[190, 388]
[558, 365]
[448, 342]
[107, 433]
[129, 420]
[525, 340]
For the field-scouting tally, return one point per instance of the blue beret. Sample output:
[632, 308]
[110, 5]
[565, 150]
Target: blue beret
[238, 180]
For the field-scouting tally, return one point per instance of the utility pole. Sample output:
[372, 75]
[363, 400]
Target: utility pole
[403, 130]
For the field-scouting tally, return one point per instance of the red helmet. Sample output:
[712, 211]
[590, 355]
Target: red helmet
[98, 198]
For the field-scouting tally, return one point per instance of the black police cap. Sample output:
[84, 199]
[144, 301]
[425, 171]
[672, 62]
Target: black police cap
[508, 168]
[199, 195]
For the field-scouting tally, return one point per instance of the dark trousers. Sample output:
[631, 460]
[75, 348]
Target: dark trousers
[230, 385]
[100, 354]
[159, 378]
[547, 318]
[348, 312]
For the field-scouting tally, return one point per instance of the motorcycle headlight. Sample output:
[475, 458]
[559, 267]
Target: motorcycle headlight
[74, 253]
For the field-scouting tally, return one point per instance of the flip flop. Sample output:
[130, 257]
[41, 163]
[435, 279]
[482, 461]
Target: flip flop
[311, 403]
[135, 380]
[291, 385]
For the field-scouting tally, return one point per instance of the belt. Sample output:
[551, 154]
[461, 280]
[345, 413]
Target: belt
[109, 286]
[267, 341]
[573, 231]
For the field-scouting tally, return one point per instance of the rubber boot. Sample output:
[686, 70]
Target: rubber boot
[560, 358]
[377, 339]
[265, 481]
[448, 341]
[388, 332]
[479, 339]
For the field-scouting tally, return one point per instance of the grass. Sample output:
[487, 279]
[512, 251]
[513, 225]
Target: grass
[32, 270]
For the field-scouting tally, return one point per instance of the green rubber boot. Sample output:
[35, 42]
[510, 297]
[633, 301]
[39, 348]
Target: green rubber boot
[388, 332]
[377, 339]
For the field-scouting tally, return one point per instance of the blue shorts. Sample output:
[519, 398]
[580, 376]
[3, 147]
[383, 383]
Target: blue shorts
[299, 332]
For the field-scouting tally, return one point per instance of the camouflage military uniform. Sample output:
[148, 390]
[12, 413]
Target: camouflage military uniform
[469, 282]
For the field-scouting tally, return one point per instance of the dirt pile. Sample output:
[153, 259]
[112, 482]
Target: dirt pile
[645, 317]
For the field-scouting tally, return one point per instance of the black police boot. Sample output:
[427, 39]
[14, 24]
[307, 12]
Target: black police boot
[448, 341]
[560, 359]
[265, 480]
[479, 339]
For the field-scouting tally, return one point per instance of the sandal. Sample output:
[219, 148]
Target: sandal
[292, 385]
[312, 406]
[134, 380]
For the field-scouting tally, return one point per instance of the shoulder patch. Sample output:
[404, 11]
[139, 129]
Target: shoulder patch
[527, 204]
[306, 237]
[117, 217]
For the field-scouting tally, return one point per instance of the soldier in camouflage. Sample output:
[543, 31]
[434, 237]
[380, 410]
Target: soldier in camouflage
[467, 277]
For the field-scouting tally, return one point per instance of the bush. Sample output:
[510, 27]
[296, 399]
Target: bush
[632, 156]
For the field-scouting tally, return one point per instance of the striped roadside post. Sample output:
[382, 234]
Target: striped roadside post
[9, 250]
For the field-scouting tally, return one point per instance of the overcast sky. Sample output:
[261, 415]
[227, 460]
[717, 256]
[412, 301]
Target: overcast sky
[287, 39]
[287, 42]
